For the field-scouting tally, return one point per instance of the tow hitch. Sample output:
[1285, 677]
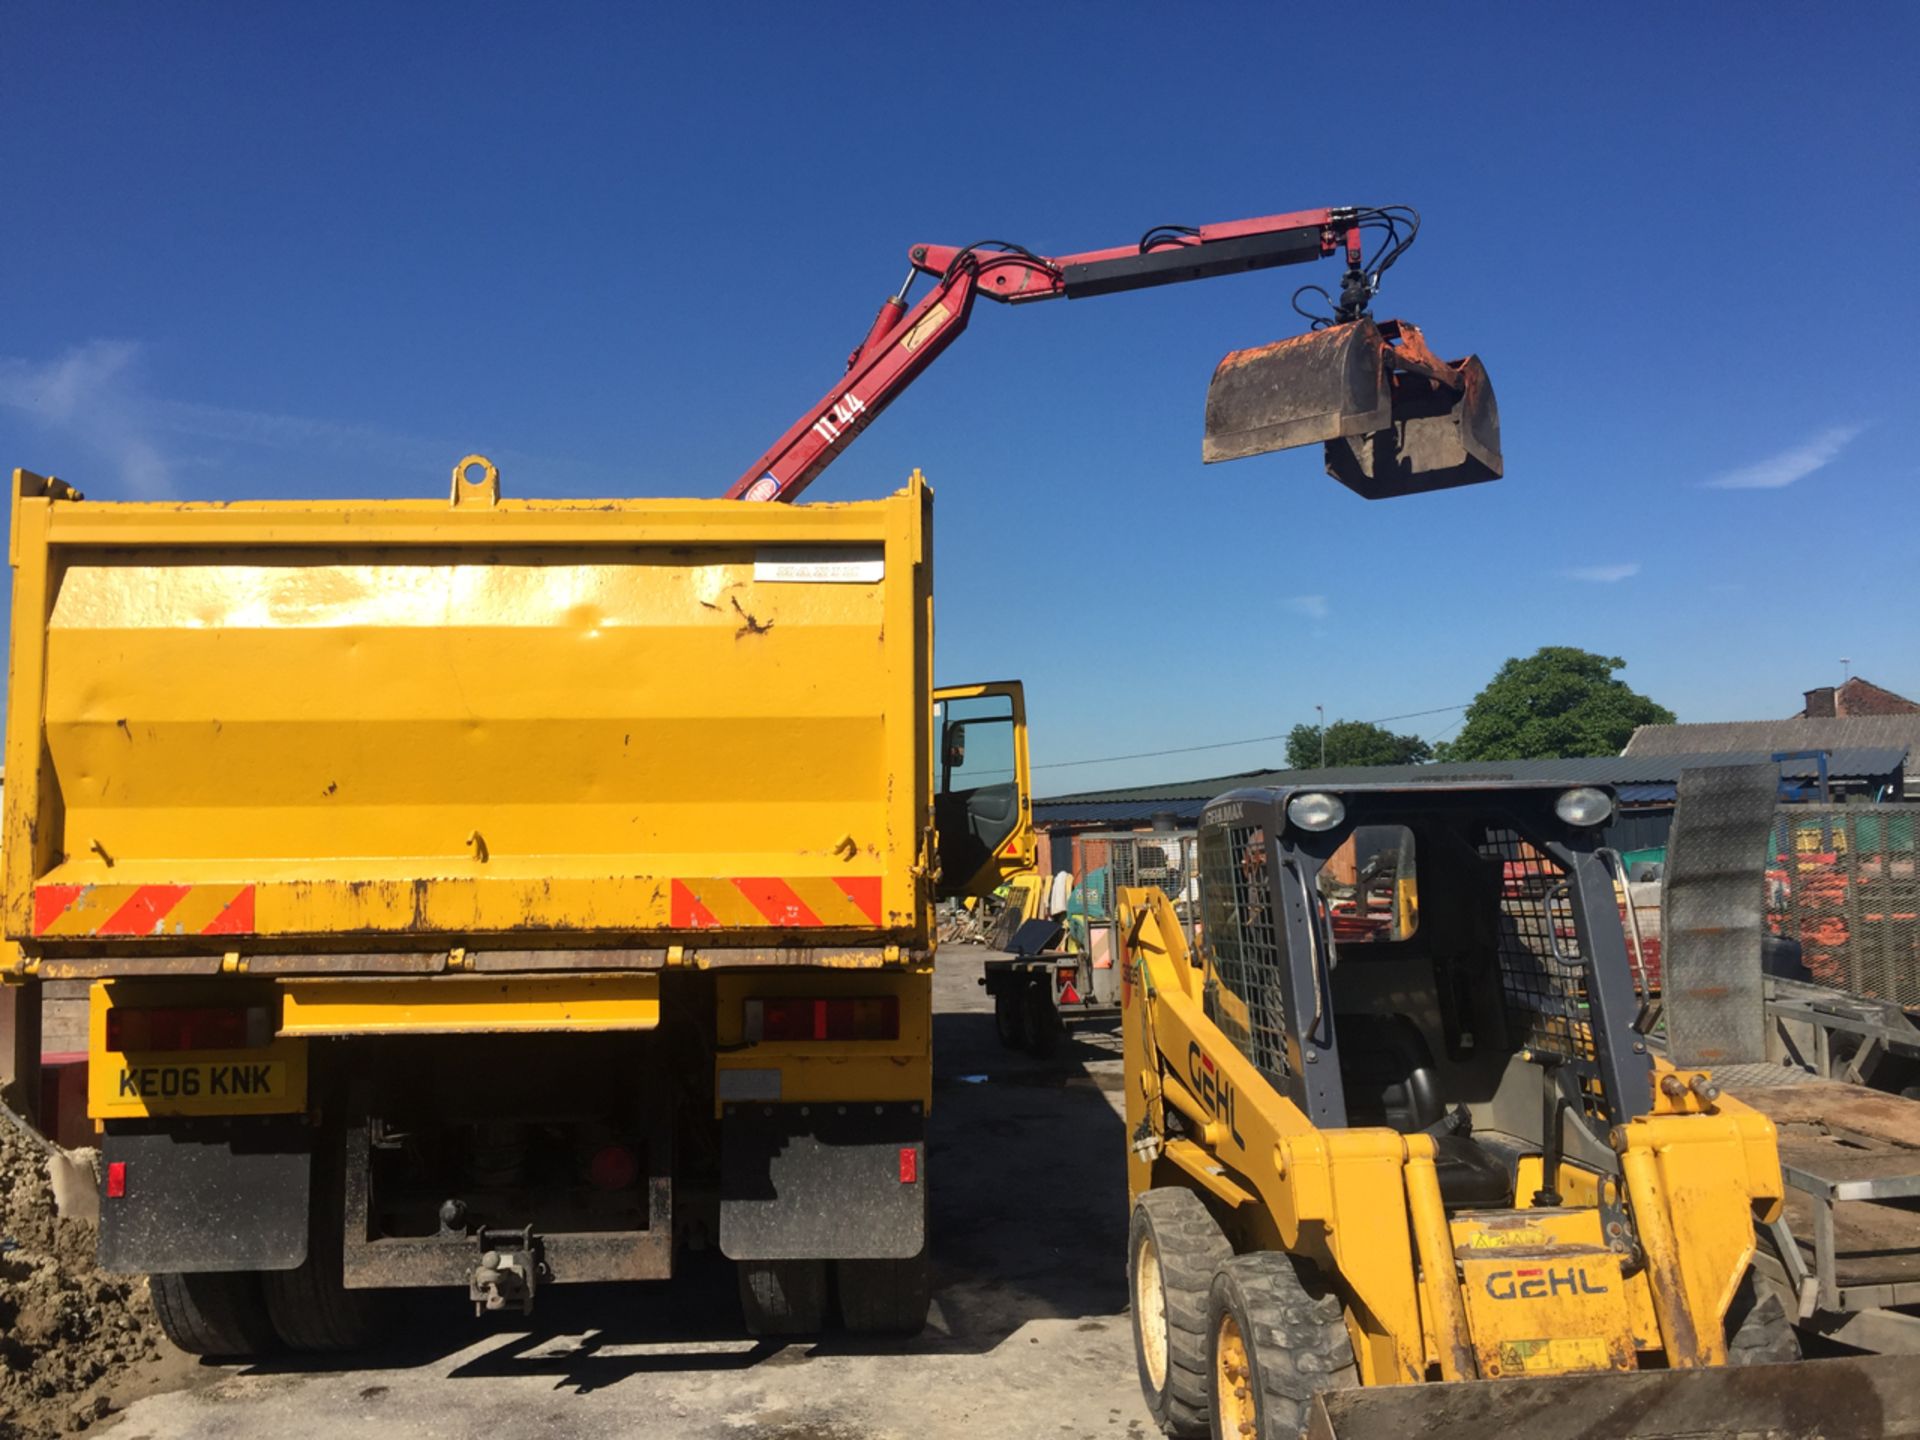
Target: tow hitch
[509, 1268]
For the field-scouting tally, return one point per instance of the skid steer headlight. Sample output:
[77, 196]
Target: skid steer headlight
[1584, 806]
[1316, 810]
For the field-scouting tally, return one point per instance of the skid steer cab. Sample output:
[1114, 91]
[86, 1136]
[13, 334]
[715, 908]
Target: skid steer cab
[1401, 1162]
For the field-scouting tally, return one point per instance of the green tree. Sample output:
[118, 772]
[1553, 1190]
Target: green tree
[1354, 742]
[1556, 703]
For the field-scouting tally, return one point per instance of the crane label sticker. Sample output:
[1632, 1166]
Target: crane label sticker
[926, 325]
[821, 564]
[837, 423]
[1214, 1090]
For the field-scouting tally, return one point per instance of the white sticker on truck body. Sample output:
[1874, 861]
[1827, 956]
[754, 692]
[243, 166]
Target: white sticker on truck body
[821, 564]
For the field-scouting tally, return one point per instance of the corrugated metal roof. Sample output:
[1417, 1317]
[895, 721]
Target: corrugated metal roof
[1638, 779]
[1850, 732]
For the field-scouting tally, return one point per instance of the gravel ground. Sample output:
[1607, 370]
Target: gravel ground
[1029, 1337]
[75, 1344]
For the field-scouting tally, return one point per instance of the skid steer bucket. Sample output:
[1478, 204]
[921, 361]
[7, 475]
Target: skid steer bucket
[1839, 1399]
[1394, 419]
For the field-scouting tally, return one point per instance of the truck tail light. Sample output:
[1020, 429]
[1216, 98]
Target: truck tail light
[177, 1028]
[865, 1017]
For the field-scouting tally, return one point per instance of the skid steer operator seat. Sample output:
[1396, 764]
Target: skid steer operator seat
[1386, 1068]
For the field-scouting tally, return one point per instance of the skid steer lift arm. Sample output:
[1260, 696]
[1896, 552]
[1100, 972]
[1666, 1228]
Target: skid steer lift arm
[1339, 382]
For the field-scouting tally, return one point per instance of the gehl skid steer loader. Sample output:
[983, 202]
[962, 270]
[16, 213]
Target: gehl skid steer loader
[1430, 1180]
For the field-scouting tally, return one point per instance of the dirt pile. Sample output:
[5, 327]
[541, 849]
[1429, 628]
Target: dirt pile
[75, 1343]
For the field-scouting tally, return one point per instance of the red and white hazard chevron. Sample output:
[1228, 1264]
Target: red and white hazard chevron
[84, 910]
[752, 903]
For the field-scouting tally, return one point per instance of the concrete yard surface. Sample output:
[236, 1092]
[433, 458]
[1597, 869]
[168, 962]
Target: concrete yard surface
[1029, 1336]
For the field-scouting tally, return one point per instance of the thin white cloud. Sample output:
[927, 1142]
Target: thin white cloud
[92, 398]
[1313, 606]
[1603, 574]
[94, 402]
[1780, 470]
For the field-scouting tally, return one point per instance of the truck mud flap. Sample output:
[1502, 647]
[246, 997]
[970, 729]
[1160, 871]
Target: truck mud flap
[823, 1181]
[1842, 1399]
[221, 1197]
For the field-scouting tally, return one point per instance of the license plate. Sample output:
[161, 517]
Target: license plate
[221, 1084]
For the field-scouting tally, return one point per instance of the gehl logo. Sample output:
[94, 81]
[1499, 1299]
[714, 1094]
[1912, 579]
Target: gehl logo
[1216, 1092]
[1540, 1282]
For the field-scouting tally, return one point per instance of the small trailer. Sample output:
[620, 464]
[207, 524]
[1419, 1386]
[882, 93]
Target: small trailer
[1064, 966]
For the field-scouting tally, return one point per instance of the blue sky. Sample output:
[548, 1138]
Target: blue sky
[267, 250]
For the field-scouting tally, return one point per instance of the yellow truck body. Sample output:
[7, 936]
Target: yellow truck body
[270, 725]
[588, 846]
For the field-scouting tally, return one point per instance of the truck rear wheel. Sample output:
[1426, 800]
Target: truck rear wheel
[783, 1297]
[885, 1297]
[1172, 1253]
[1275, 1345]
[222, 1316]
[311, 1308]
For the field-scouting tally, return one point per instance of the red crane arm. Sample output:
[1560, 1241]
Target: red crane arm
[902, 342]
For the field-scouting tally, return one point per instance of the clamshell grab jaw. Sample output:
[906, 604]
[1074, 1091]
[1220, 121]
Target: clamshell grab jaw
[1394, 419]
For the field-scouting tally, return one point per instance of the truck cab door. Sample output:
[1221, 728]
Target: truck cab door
[982, 803]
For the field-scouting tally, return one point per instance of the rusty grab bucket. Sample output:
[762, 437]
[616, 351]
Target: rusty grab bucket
[1394, 419]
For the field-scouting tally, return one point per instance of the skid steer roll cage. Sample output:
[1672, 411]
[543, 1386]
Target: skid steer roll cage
[1615, 1063]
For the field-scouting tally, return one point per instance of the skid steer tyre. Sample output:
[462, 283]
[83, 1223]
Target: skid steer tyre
[219, 1316]
[885, 1297]
[783, 1297]
[1173, 1250]
[1273, 1345]
[1759, 1330]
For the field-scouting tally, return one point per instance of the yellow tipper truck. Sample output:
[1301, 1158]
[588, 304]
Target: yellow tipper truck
[493, 894]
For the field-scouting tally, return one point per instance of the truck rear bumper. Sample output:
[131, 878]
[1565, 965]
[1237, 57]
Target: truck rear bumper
[379, 1262]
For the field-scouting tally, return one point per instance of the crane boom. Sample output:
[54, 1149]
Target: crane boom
[1339, 386]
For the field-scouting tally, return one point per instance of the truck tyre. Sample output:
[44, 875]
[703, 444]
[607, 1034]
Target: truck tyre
[885, 1297]
[1275, 1345]
[1173, 1249]
[311, 1307]
[783, 1297]
[313, 1311]
[220, 1316]
[1759, 1330]
[1042, 1024]
[1009, 1019]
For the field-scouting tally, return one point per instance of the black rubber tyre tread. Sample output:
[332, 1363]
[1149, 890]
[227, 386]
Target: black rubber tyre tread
[312, 1310]
[1191, 1248]
[885, 1297]
[1296, 1339]
[1008, 1022]
[1042, 1026]
[221, 1316]
[1759, 1330]
[783, 1297]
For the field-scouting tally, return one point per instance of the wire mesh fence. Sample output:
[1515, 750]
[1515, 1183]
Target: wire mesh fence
[1842, 880]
